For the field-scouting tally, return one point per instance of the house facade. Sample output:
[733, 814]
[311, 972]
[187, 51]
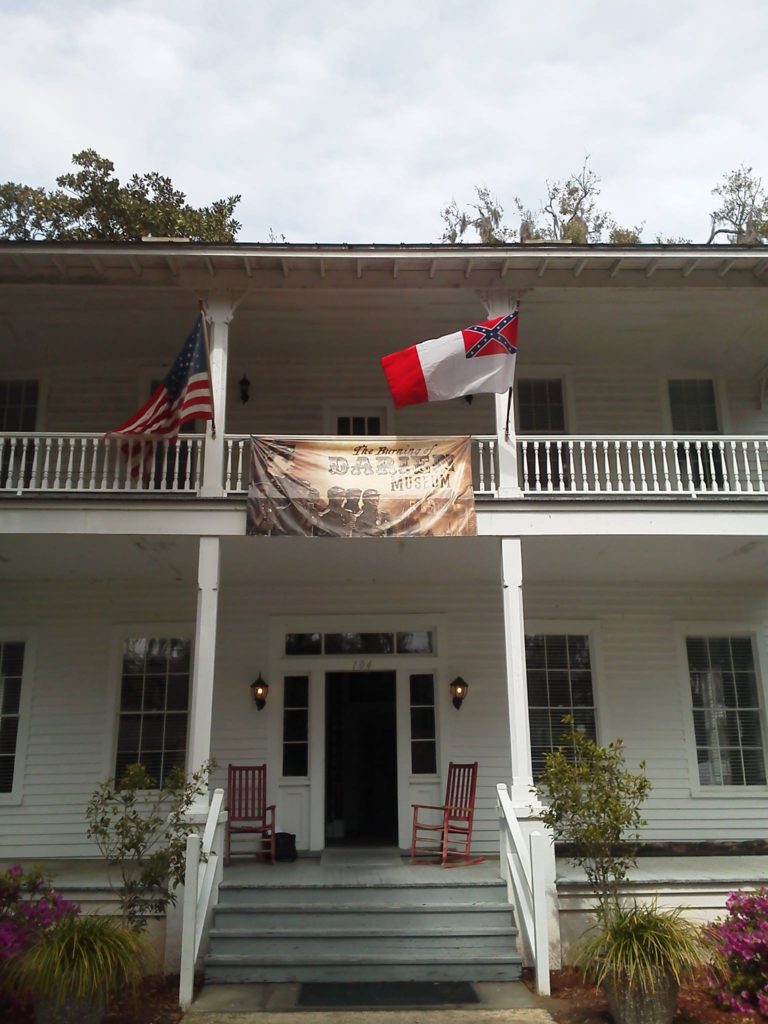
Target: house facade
[618, 573]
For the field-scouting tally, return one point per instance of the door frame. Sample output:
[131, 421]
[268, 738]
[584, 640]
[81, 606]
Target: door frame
[309, 793]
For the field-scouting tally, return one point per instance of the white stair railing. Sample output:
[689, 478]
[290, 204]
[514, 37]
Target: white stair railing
[202, 868]
[523, 869]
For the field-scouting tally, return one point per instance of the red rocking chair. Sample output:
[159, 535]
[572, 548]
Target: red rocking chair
[248, 811]
[444, 833]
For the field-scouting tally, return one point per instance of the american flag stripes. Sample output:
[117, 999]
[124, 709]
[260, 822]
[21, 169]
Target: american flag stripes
[184, 395]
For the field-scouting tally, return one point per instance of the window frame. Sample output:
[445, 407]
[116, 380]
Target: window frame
[709, 630]
[689, 373]
[26, 636]
[574, 627]
[548, 373]
[141, 631]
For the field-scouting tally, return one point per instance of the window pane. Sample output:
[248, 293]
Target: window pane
[303, 643]
[294, 725]
[155, 680]
[559, 685]
[8, 730]
[422, 689]
[729, 742]
[12, 659]
[10, 696]
[414, 643]
[295, 759]
[422, 723]
[359, 643]
[423, 757]
[296, 692]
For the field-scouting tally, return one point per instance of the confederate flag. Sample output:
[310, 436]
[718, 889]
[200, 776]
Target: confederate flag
[473, 361]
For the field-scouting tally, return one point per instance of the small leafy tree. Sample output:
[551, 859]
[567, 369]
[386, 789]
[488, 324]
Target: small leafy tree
[594, 806]
[140, 828]
[90, 203]
[743, 212]
[570, 213]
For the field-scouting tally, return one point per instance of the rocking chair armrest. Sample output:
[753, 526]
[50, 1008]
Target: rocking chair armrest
[430, 807]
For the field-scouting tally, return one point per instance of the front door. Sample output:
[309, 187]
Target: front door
[360, 758]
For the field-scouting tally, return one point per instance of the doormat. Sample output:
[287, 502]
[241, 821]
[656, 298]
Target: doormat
[370, 994]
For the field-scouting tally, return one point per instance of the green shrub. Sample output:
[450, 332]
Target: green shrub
[79, 959]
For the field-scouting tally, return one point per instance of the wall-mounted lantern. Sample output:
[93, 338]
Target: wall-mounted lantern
[259, 691]
[245, 388]
[458, 691]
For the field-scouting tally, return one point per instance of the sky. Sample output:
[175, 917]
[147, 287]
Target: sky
[360, 120]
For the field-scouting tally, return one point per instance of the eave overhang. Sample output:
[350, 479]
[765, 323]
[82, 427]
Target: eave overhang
[244, 267]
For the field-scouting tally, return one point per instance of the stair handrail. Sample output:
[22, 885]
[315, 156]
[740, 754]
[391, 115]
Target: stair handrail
[201, 866]
[522, 869]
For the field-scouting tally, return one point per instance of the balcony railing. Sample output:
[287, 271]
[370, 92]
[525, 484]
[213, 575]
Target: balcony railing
[94, 464]
[237, 466]
[690, 466]
[548, 466]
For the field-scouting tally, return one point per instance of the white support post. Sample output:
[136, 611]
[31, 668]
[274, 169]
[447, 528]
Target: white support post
[517, 690]
[219, 311]
[497, 303]
[201, 709]
[189, 902]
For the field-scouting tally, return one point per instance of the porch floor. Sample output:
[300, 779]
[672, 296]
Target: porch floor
[338, 867]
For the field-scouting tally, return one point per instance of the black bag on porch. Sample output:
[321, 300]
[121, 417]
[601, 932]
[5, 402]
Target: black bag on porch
[285, 846]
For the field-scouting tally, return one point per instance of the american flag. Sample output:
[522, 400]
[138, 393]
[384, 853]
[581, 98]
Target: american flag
[184, 395]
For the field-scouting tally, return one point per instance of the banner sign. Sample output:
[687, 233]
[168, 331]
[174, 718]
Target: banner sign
[361, 487]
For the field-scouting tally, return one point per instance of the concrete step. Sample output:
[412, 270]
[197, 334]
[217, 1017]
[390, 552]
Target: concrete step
[239, 969]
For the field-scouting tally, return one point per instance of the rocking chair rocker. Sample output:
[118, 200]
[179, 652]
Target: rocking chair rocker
[444, 833]
[248, 811]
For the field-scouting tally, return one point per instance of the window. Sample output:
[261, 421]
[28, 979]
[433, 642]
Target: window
[541, 410]
[559, 672]
[296, 726]
[413, 642]
[540, 406]
[423, 741]
[358, 424]
[18, 414]
[726, 711]
[18, 404]
[154, 704]
[11, 671]
[693, 407]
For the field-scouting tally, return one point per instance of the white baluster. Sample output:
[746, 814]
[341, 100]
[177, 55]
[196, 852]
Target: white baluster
[665, 466]
[35, 460]
[57, 469]
[46, 464]
[759, 467]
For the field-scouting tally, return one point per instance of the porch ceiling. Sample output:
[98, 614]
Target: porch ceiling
[560, 326]
[622, 559]
[172, 560]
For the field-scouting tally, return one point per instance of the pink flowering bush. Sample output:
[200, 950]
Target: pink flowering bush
[739, 979]
[28, 906]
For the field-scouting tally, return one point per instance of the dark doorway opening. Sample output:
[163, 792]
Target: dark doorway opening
[360, 759]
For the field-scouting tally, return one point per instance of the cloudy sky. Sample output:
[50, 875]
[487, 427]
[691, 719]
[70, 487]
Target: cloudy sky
[359, 120]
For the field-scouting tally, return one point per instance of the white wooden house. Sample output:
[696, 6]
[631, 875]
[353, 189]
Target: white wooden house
[621, 544]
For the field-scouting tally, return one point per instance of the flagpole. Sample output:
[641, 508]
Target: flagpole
[207, 346]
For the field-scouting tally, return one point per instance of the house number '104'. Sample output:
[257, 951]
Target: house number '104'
[361, 664]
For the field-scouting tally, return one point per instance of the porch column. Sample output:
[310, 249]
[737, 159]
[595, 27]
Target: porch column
[517, 690]
[497, 303]
[219, 311]
[201, 705]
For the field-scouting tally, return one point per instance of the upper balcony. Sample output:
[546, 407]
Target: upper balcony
[641, 373]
